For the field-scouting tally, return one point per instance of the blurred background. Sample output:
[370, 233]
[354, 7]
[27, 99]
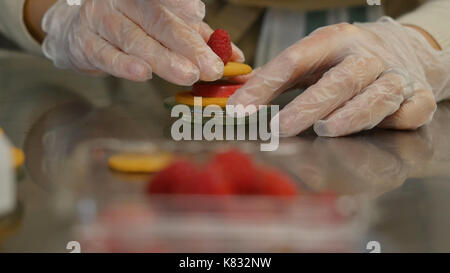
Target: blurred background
[65, 122]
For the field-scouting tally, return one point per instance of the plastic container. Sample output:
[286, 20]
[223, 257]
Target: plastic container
[114, 214]
[8, 194]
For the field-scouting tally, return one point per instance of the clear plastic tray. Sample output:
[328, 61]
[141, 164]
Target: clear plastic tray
[114, 214]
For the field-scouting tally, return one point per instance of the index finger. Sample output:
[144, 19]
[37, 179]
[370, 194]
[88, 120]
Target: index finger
[334, 89]
[174, 33]
[189, 10]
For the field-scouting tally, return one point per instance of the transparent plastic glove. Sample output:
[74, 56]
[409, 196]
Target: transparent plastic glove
[133, 38]
[400, 155]
[362, 76]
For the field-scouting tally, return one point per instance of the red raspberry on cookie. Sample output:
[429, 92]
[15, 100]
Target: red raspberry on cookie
[220, 43]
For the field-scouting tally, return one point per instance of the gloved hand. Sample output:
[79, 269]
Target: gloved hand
[134, 38]
[362, 75]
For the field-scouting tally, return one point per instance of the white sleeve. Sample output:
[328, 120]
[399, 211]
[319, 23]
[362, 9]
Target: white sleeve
[12, 25]
[433, 17]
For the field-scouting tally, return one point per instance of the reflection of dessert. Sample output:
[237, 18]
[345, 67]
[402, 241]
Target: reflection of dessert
[18, 156]
[217, 93]
[227, 173]
[140, 163]
[11, 223]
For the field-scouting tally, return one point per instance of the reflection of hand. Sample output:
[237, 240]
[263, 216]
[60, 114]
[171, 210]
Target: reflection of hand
[371, 164]
[133, 39]
[365, 75]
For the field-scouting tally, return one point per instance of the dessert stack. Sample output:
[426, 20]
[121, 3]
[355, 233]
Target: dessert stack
[218, 92]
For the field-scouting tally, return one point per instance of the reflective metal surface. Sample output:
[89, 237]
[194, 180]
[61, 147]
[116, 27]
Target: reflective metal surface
[48, 113]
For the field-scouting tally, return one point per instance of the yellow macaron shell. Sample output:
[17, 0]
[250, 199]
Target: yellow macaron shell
[140, 163]
[188, 98]
[233, 69]
[18, 157]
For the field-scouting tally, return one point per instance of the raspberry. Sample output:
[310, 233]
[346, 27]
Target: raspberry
[220, 43]
[238, 169]
[230, 172]
[274, 183]
[215, 89]
[165, 181]
[209, 180]
[183, 177]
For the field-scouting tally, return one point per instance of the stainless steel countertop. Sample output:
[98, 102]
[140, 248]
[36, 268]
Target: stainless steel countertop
[48, 112]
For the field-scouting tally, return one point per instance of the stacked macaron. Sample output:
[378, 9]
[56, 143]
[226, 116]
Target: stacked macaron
[218, 92]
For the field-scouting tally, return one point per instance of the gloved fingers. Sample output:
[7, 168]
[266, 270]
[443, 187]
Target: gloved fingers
[244, 78]
[309, 80]
[51, 49]
[175, 34]
[319, 51]
[415, 112]
[337, 86]
[188, 10]
[413, 148]
[106, 57]
[205, 31]
[131, 39]
[366, 110]
[58, 10]
[363, 161]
